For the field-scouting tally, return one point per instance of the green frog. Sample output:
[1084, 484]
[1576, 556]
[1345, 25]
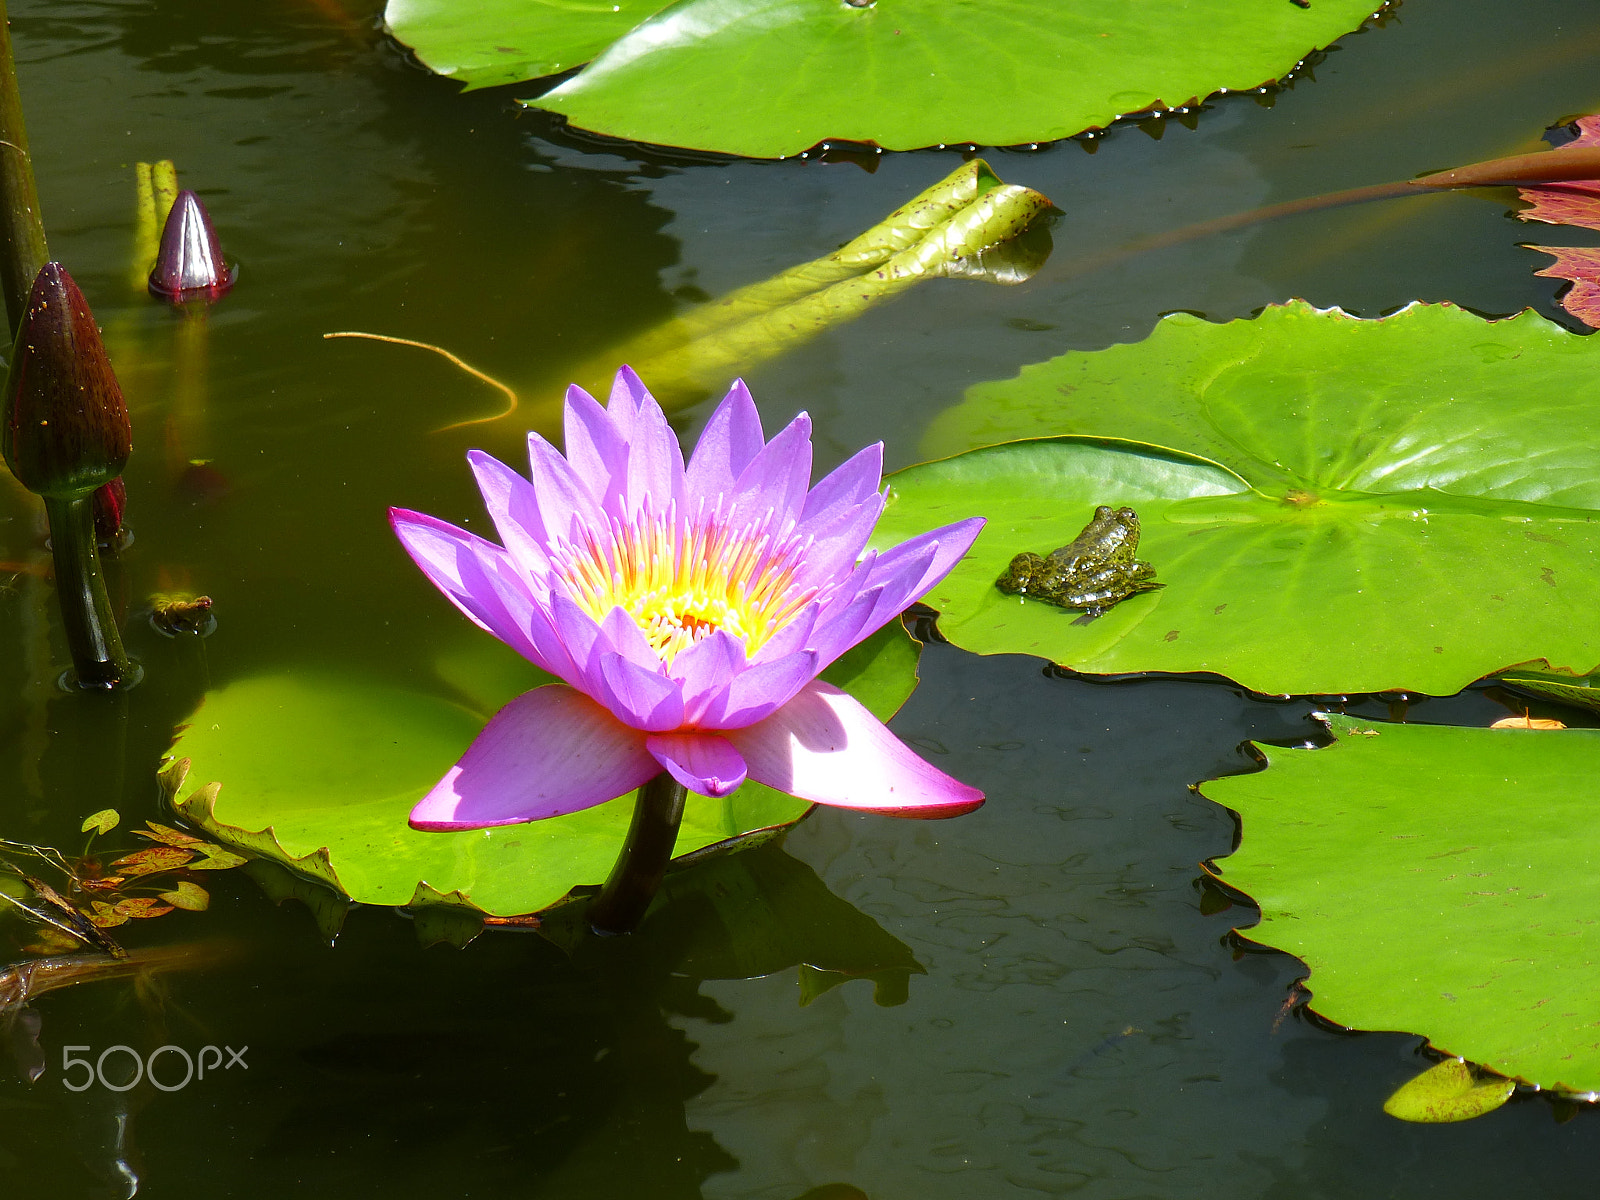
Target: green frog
[1093, 571]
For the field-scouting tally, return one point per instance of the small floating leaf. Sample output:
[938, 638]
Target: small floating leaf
[168, 836]
[152, 860]
[1448, 1091]
[103, 821]
[188, 895]
[141, 907]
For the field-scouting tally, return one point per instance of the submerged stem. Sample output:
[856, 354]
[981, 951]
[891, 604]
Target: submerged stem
[97, 656]
[657, 813]
[22, 244]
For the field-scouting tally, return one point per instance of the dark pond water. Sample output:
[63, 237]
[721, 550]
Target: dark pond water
[1085, 1024]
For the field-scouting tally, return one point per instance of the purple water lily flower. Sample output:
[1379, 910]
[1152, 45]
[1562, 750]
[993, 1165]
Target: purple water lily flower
[688, 612]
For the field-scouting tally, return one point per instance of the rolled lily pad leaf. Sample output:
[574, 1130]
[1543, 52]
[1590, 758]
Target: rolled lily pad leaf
[768, 78]
[488, 42]
[318, 774]
[1408, 503]
[1438, 881]
[1448, 1091]
[969, 225]
[1582, 691]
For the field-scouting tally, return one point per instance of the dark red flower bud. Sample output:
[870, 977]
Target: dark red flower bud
[110, 502]
[189, 265]
[66, 428]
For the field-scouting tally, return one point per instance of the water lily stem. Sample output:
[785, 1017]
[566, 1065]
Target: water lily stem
[22, 245]
[657, 812]
[98, 659]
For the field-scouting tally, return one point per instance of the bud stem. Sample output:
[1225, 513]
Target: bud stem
[657, 812]
[22, 245]
[97, 655]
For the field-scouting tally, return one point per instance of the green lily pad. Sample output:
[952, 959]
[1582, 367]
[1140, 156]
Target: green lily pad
[318, 773]
[1448, 1091]
[1408, 503]
[489, 42]
[1436, 880]
[1581, 691]
[767, 78]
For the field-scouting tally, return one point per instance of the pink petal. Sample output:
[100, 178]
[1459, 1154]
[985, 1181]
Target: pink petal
[704, 670]
[514, 509]
[730, 440]
[702, 762]
[778, 477]
[846, 485]
[639, 697]
[825, 747]
[837, 545]
[595, 447]
[565, 501]
[623, 634]
[460, 565]
[651, 471]
[549, 752]
[907, 572]
[756, 692]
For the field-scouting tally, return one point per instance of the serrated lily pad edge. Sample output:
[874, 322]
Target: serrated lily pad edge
[1359, 728]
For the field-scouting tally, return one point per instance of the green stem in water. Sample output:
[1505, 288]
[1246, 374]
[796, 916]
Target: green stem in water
[22, 245]
[98, 659]
[657, 813]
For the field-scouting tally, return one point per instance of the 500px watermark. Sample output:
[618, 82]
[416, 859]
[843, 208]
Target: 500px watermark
[209, 1058]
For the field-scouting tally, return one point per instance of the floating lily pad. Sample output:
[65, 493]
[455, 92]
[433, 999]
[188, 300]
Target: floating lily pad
[488, 42]
[1351, 505]
[1439, 881]
[318, 773]
[767, 78]
[1448, 1091]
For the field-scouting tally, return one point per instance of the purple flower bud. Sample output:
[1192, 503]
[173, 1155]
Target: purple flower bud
[189, 265]
[66, 428]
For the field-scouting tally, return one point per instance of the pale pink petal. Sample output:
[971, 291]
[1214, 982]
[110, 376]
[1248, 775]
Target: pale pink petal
[514, 509]
[758, 691]
[796, 635]
[702, 762]
[730, 440]
[565, 501]
[845, 486]
[704, 670]
[549, 752]
[902, 582]
[595, 447]
[623, 634]
[836, 546]
[777, 478]
[825, 747]
[843, 625]
[639, 697]
[655, 460]
[459, 563]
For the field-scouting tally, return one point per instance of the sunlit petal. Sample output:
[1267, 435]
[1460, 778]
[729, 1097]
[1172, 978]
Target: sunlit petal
[825, 747]
[549, 752]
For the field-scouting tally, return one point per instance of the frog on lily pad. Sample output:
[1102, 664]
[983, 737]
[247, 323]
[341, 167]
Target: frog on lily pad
[1094, 571]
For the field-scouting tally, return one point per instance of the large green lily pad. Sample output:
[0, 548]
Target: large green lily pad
[487, 42]
[1439, 881]
[767, 78]
[1407, 503]
[319, 772]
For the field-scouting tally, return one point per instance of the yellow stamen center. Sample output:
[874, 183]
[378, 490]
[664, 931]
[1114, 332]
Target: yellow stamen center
[681, 580]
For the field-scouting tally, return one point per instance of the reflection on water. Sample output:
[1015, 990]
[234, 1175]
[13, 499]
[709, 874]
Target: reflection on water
[1083, 1026]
